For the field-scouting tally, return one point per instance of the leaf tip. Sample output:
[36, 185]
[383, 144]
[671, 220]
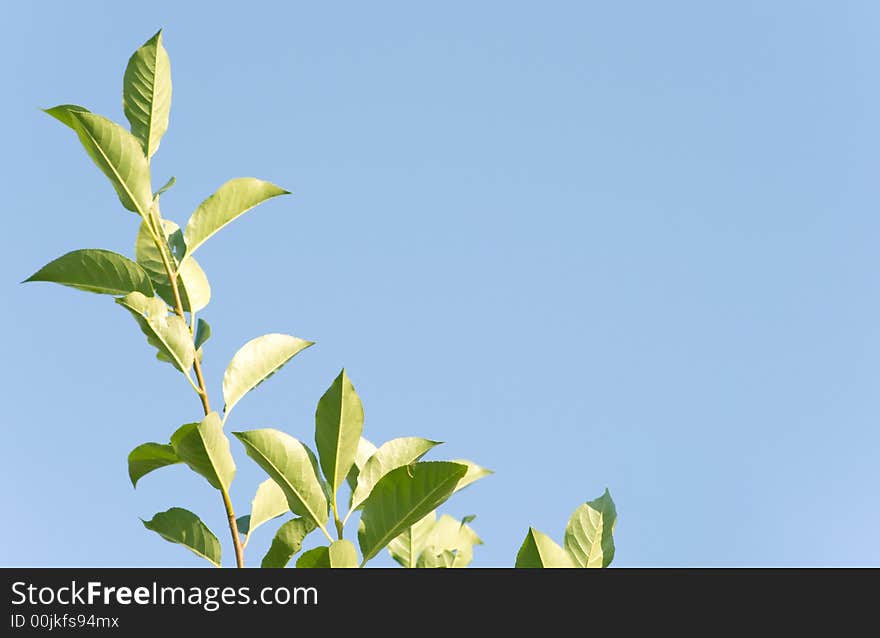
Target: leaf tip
[155, 39]
[66, 113]
[56, 112]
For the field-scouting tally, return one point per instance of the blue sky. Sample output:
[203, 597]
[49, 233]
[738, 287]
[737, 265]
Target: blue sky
[585, 244]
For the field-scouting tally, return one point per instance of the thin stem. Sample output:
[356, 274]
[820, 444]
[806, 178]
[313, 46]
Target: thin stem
[159, 238]
[172, 275]
[193, 384]
[339, 524]
[178, 308]
[326, 533]
[203, 394]
[233, 529]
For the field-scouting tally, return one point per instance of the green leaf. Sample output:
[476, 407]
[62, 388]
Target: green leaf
[401, 498]
[148, 457]
[193, 286]
[115, 151]
[171, 182]
[205, 449]
[430, 542]
[408, 546]
[95, 270]
[289, 463]
[339, 421]
[234, 198]
[433, 558]
[192, 283]
[269, 502]
[340, 554]
[539, 550]
[256, 361]
[474, 473]
[449, 534]
[176, 243]
[343, 554]
[287, 542]
[390, 455]
[317, 558]
[365, 450]
[146, 93]
[243, 524]
[65, 114]
[167, 333]
[203, 333]
[589, 536]
[181, 526]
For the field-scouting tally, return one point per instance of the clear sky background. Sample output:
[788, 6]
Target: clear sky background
[586, 244]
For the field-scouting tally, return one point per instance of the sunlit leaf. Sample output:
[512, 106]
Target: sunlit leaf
[434, 558]
[340, 554]
[449, 534]
[94, 270]
[589, 538]
[474, 473]
[402, 497]
[269, 502]
[408, 546]
[339, 421]
[256, 361]
[204, 447]
[343, 554]
[234, 198]
[146, 93]
[181, 526]
[169, 334]
[317, 558]
[148, 457]
[390, 455]
[288, 462]
[192, 282]
[171, 182]
[539, 550]
[115, 151]
[365, 450]
[287, 542]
